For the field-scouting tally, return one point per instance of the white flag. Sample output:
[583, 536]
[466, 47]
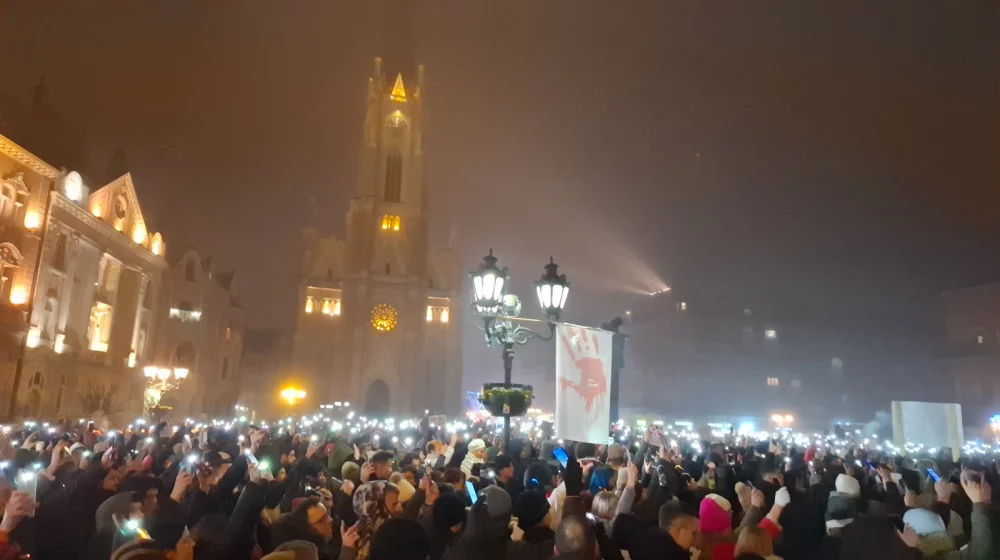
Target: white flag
[583, 383]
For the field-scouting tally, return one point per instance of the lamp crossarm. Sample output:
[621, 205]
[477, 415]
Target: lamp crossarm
[501, 330]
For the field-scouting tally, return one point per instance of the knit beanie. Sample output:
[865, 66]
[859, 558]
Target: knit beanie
[924, 521]
[530, 509]
[848, 485]
[714, 514]
[448, 510]
[498, 501]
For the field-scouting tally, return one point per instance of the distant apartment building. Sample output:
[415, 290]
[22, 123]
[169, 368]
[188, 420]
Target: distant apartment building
[686, 358]
[201, 330]
[971, 355]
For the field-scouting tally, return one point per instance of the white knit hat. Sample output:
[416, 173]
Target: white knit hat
[924, 521]
[848, 485]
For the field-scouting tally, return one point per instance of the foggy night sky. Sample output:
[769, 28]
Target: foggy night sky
[839, 164]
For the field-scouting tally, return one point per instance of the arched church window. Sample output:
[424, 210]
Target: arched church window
[393, 176]
[189, 271]
[388, 269]
[329, 275]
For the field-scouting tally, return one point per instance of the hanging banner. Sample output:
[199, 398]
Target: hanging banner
[583, 379]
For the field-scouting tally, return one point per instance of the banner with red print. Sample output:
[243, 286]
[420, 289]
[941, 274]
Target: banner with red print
[583, 382]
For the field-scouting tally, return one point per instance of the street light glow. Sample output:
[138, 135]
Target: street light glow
[292, 395]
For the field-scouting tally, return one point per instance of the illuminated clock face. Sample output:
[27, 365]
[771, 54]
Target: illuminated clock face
[397, 125]
[384, 317]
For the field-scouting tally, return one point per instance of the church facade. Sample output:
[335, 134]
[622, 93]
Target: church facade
[379, 308]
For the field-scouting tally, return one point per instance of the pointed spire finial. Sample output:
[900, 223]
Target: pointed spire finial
[398, 91]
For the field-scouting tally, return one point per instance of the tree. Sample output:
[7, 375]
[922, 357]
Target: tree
[98, 399]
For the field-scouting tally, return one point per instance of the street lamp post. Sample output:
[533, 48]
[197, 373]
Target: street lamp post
[499, 310]
[160, 380]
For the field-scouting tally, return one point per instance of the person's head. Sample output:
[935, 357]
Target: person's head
[477, 448]
[434, 447]
[680, 525]
[771, 470]
[382, 461]
[584, 449]
[454, 476]
[715, 514]
[410, 460]
[147, 490]
[575, 539]
[376, 501]
[600, 479]
[400, 539]
[504, 467]
[315, 517]
[754, 540]
[498, 501]
[448, 512]
[532, 509]
[541, 475]
[604, 505]
[351, 471]
[303, 550]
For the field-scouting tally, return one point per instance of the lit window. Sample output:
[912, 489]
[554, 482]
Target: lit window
[746, 312]
[336, 307]
[773, 382]
[60, 345]
[435, 313]
[384, 317]
[19, 295]
[99, 329]
[390, 222]
[185, 315]
[682, 306]
[310, 303]
[836, 363]
[327, 307]
[34, 338]
[979, 339]
[771, 333]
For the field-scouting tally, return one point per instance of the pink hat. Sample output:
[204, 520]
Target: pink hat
[714, 514]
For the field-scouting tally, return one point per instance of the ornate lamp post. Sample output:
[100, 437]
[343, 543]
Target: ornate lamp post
[498, 311]
[160, 380]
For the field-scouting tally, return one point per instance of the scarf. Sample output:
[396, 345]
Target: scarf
[369, 505]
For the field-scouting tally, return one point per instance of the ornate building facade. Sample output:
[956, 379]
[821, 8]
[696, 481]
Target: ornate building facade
[377, 319]
[200, 329]
[87, 292]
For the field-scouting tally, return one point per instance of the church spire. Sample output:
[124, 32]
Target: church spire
[398, 91]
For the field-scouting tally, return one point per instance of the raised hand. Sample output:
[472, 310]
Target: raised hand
[757, 498]
[18, 507]
[349, 536]
[976, 488]
[181, 484]
[367, 470]
[347, 487]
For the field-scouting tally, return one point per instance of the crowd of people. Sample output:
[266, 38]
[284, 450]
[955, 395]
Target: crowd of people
[325, 491]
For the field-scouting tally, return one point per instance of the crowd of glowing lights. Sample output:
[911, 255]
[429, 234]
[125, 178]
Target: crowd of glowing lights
[340, 419]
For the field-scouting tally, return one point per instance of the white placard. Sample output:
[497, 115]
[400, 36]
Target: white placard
[583, 382]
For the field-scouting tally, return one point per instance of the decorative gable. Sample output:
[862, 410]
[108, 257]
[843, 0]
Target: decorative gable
[117, 205]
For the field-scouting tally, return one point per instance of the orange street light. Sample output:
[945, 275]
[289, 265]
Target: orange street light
[292, 395]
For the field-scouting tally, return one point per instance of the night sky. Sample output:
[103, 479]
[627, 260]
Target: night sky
[838, 164]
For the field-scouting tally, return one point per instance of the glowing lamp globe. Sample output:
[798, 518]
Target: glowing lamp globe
[488, 284]
[552, 290]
